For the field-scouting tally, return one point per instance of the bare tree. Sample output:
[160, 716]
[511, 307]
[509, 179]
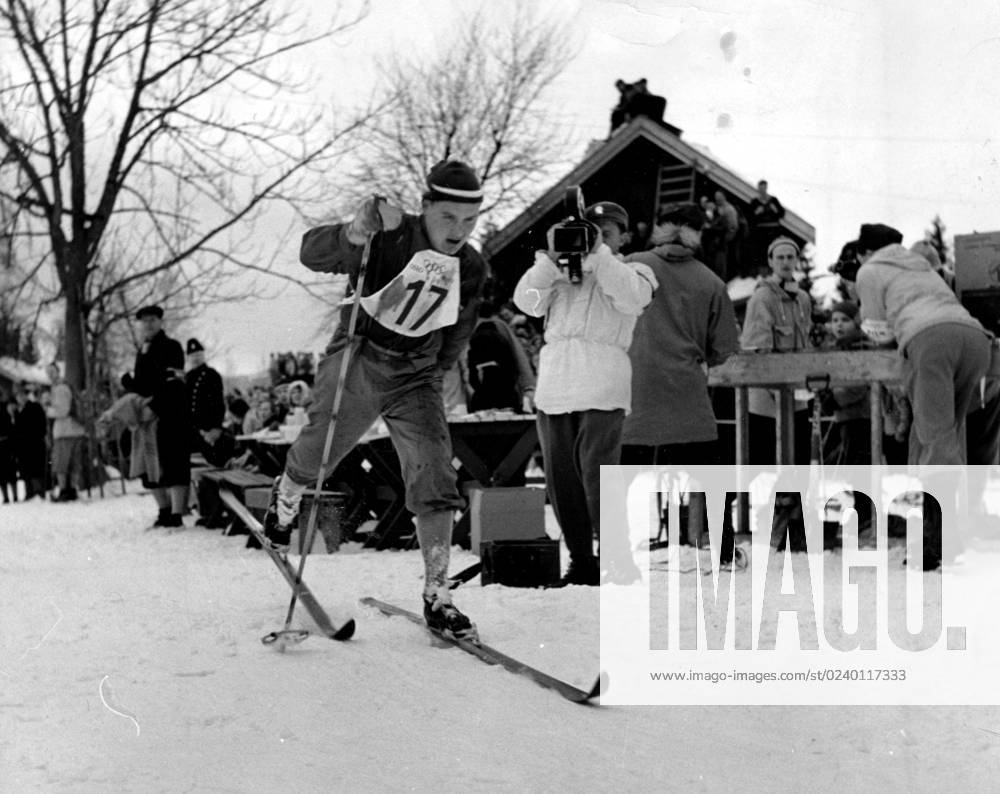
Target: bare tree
[140, 140]
[18, 324]
[479, 98]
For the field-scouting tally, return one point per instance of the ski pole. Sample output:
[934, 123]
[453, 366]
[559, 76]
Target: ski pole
[328, 444]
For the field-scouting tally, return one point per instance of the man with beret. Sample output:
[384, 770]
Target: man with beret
[945, 351]
[158, 375]
[612, 220]
[419, 304]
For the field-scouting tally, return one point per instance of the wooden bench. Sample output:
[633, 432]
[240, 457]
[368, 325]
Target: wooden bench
[207, 482]
[327, 536]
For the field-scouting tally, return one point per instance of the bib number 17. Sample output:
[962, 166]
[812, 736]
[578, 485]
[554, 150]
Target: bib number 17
[416, 288]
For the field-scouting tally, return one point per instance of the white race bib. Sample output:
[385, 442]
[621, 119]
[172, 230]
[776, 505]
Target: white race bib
[422, 298]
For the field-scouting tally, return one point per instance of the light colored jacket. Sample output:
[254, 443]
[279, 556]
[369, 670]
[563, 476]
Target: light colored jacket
[133, 411]
[584, 364]
[776, 321]
[59, 411]
[901, 287]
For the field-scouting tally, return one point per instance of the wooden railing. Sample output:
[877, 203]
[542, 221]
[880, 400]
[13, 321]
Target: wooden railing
[786, 372]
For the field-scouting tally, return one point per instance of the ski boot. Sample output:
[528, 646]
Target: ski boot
[444, 618]
[585, 571]
[66, 495]
[278, 533]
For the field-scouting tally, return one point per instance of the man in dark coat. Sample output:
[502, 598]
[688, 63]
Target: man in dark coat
[8, 463]
[30, 437]
[206, 402]
[158, 374]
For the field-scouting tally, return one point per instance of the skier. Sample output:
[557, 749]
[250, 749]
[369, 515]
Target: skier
[419, 303]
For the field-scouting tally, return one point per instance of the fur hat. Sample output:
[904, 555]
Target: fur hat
[149, 311]
[607, 210]
[194, 346]
[874, 236]
[453, 180]
[682, 214]
[302, 386]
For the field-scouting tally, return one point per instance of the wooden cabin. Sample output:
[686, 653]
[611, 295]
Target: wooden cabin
[643, 165]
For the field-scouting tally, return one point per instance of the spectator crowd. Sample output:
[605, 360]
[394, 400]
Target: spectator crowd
[621, 376]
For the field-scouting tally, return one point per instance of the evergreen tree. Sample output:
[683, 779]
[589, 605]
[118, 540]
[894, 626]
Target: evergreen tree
[935, 236]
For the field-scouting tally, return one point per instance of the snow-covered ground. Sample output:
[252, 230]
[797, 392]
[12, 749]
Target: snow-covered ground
[130, 661]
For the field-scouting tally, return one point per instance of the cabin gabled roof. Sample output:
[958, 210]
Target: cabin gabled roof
[640, 128]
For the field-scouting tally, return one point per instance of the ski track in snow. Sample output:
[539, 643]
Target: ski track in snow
[174, 622]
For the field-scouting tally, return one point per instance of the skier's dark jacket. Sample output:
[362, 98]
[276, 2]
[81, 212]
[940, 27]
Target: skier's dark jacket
[326, 249]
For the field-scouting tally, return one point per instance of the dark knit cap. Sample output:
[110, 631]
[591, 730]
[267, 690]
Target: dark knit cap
[453, 180]
[850, 308]
[777, 242]
[682, 214]
[149, 311]
[607, 210]
[194, 346]
[874, 236]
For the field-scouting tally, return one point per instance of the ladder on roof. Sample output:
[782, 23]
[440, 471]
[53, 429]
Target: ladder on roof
[675, 182]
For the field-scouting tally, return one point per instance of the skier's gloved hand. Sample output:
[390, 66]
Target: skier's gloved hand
[374, 215]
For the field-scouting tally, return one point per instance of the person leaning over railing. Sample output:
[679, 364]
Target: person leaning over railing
[945, 354]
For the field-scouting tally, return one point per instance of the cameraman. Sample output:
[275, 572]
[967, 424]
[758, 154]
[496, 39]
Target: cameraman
[584, 378]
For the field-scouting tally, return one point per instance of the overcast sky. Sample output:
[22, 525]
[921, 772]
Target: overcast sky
[853, 110]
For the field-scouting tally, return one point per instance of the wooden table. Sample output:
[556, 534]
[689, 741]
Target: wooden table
[270, 448]
[785, 372]
[491, 448]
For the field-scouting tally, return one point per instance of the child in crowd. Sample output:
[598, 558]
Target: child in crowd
[848, 404]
